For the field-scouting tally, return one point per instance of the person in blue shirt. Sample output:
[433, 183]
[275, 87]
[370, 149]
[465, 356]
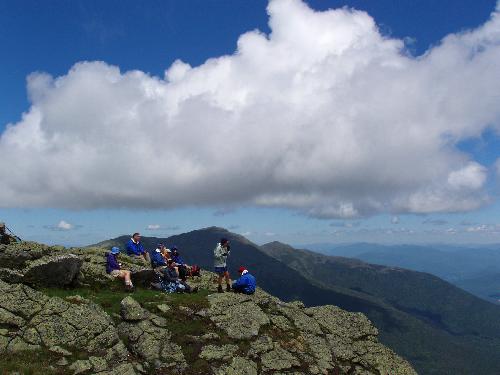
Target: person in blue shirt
[182, 267]
[114, 268]
[246, 283]
[176, 257]
[158, 261]
[135, 249]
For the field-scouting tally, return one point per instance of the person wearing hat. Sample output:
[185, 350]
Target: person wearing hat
[182, 267]
[157, 259]
[246, 283]
[166, 253]
[221, 252]
[113, 267]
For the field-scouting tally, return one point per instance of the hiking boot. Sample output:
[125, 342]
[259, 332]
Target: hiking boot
[219, 289]
[129, 288]
[228, 288]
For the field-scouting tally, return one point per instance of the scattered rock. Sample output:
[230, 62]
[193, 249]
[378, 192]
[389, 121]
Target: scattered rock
[280, 322]
[163, 308]
[62, 362]
[152, 344]
[218, 353]
[210, 336]
[236, 314]
[81, 366]
[58, 350]
[59, 270]
[261, 345]
[144, 277]
[238, 366]
[186, 310]
[303, 322]
[11, 276]
[131, 310]
[278, 359]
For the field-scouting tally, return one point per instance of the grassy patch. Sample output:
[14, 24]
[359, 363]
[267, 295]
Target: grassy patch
[30, 363]
[195, 301]
[110, 299]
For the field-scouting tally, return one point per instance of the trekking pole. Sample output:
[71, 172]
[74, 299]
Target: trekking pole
[13, 234]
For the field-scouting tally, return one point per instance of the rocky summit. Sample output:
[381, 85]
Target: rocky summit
[60, 309]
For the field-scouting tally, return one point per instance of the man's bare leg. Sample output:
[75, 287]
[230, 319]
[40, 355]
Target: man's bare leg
[228, 281]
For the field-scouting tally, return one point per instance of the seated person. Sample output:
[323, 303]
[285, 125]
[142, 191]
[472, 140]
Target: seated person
[134, 247]
[165, 253]
[158, 261]
[113, 267]
[171, 277]
[246, 283]
[181, 265]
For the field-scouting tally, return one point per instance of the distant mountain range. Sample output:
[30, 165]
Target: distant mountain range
[473, 268]
[438, 327]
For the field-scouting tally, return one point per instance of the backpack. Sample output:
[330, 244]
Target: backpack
[195, 270]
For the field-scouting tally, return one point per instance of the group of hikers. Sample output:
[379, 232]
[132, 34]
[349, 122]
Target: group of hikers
[172, 271]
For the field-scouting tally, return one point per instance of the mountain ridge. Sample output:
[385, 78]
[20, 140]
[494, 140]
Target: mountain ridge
[409, 329]
[61, 309]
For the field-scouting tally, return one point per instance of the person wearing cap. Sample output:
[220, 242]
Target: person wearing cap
[135, 249]
[113, 267]
[246, 283]
[176, 257]
[165, 253]
[221, 252]
[157, 259]
[182, 267]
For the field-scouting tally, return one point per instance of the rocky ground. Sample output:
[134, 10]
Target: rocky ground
[56, 307]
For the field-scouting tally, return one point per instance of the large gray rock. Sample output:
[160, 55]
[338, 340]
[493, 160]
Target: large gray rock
[131, 310]
[278, 359]
[238, 366]
[58, 270]
[16, 256]
[238, 315]
[149, 340]
[352, 340]
[218, 353]
[37, 321]
[144, 277]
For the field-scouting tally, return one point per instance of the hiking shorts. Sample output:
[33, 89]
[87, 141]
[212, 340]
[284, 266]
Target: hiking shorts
[220, 270]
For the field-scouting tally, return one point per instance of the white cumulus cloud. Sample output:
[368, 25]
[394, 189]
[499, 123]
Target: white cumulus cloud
[64, 225]
[325, 115]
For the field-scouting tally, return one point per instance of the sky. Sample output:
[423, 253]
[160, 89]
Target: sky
[298, 121]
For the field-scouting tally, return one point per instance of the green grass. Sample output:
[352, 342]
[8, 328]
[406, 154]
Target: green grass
[30, 363]
[109, 299]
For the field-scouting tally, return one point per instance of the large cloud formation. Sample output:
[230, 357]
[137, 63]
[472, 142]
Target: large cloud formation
[325, 115]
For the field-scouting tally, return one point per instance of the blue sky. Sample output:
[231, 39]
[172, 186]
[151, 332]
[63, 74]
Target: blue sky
[149, 37]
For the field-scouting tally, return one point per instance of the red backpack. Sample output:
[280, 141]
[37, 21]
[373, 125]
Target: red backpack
[195, 270]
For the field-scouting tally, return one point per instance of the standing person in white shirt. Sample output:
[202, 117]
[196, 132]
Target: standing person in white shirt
[221, 252]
